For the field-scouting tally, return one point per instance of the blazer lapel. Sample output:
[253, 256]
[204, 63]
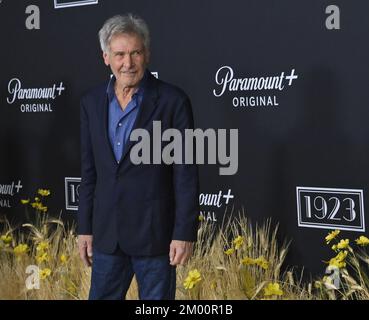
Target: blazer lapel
[103, 110]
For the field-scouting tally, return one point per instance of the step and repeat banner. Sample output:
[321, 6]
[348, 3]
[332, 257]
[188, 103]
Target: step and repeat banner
[291, 76]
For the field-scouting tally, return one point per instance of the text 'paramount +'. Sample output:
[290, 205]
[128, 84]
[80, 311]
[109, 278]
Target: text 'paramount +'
[36, 97]
[194, 144]
[227, 82]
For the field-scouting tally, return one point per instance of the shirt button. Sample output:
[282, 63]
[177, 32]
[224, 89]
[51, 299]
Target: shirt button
[118, 143]
[119, 124]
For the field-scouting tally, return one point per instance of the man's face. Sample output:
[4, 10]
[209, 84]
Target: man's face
[127, 58]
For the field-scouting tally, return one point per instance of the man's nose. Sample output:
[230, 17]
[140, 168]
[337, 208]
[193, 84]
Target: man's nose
[128, 62]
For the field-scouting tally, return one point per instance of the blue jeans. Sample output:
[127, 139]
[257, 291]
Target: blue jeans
[112, 275]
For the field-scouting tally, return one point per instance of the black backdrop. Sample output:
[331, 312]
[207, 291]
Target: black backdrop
[316, 137]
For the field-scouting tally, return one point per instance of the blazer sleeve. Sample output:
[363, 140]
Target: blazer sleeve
[185, 181]
[88, 176]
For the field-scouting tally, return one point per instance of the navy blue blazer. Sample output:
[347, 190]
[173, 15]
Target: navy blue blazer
[142, 207]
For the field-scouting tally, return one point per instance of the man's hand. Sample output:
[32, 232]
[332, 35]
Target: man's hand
[180, 252]
[85, 249]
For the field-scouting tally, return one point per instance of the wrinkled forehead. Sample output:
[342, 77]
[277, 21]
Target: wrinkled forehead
[126, 41]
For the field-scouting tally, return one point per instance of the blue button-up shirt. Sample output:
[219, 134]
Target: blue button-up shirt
[121, 122]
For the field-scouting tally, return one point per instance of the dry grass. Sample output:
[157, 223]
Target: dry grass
[226, 277]
[221, 275]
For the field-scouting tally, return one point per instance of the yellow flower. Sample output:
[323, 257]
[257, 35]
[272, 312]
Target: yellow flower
[238, 242]
[39, 206]
[332, 235]
[44, 273]
[24, 201]
[272, 289]
[37, 199]
[229, 251]
[201, 217]
[334, 247]
[193, 277]
[35, 205]
[42, 246]
[343, 244]
[43, 257]
[339, 260]
[43, 192]
[248, 261]
[6, 239]
[262, 262]
[362, 241]
[20, 249]
[63, 258]
[342, 254]
[42, 208]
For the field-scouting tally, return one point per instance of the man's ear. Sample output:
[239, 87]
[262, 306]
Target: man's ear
[106, 58]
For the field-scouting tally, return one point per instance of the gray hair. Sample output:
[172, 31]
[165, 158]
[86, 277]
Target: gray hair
[119, 24]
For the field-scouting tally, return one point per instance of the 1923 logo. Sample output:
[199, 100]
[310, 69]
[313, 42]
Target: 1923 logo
[72, 193]
[330, 208]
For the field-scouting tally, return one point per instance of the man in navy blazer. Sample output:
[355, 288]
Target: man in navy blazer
[133, 219]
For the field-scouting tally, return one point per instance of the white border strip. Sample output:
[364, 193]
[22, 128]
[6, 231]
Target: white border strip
[74, 4]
